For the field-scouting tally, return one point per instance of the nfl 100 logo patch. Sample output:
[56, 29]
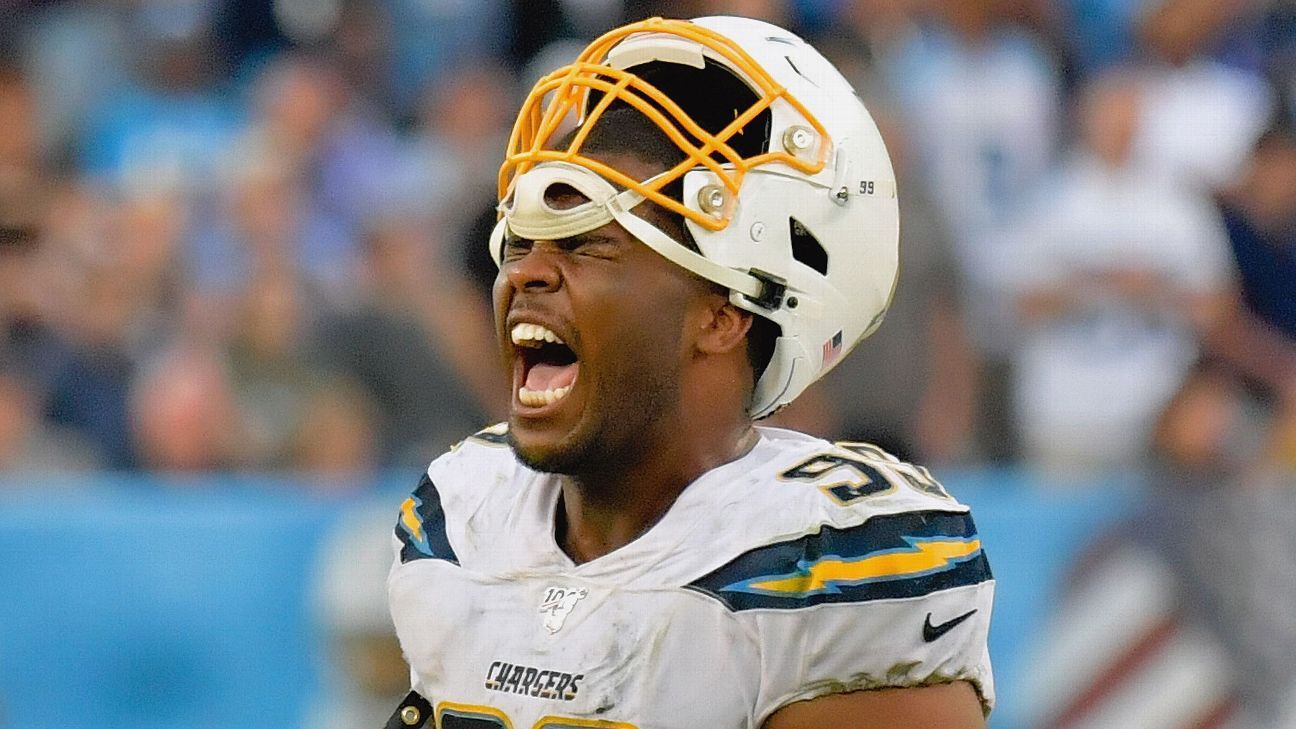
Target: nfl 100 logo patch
[558, 603]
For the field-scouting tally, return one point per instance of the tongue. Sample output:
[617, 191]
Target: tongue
[544, 376]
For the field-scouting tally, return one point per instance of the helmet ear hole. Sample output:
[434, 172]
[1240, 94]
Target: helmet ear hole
[760, 344]
[806, 248]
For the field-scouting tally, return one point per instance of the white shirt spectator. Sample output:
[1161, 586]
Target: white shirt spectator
[1200, 121]
[982, 115]
[1119, 254]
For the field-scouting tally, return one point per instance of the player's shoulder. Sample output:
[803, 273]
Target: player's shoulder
[485, 452]
[833, 522]
[474, 470]
[844, 481]
[477, 468]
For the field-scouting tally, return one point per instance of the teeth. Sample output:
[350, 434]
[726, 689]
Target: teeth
[532, 335]
[536, 398]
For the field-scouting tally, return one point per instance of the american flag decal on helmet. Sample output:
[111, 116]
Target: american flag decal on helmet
[832, 348]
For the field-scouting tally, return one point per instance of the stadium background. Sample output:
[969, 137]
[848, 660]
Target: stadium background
[243, 301]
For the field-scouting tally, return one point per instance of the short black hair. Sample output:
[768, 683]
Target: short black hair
[622, 129]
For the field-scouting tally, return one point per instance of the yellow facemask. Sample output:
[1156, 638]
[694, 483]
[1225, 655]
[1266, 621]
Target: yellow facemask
[596, 71]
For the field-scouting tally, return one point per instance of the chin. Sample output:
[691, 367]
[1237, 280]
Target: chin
[568, 456]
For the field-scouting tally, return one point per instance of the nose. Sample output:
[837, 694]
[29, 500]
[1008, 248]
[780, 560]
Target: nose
[535, 271]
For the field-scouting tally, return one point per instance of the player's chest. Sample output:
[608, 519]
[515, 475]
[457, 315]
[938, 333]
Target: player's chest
[552, 652]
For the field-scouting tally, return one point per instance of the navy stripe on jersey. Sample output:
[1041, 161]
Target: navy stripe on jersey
[421, 526]
[892, 556]
[494, 435]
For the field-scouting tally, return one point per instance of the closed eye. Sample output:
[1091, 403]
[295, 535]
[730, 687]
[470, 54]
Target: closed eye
[515, 246]
[586, 244]
[591, 244]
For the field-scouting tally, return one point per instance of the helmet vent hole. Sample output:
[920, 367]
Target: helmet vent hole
[561, 196]
[806, 248]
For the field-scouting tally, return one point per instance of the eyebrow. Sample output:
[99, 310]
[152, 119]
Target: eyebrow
[570, 242]
[586, 238]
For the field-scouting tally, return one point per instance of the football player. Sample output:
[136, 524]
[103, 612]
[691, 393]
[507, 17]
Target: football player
[697, 221]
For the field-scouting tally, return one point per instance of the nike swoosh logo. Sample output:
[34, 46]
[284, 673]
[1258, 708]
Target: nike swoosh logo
[932, 632]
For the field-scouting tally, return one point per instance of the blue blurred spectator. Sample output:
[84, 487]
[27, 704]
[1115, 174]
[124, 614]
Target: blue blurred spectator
[429, 37]
[1238, 412]
[980, 97]
[301, 180]
[27, 443]
[419, 343]
[267, 222]
[458, 143]
[89, 393]
[172, 120]
[113, 291]
[183, 414]
[78, 58]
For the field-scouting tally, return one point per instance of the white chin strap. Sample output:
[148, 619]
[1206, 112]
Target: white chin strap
[529, 215]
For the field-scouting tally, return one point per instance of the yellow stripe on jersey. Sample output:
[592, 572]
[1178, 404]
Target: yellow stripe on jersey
[923, 556]
[888, 556]
[410, 519]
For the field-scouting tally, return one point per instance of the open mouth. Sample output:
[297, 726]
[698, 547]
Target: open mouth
[548, 365]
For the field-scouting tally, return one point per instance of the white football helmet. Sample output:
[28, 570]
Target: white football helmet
[790, 199]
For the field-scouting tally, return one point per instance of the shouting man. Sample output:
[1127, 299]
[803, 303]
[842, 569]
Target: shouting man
[697, 221]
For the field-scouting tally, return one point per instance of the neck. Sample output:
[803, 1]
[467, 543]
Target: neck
[607, 507]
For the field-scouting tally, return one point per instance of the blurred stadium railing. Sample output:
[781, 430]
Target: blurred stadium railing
[138, 602]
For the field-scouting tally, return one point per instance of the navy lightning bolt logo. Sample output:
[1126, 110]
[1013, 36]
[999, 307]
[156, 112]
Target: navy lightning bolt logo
[886, 557]
[923, 556]
[421, 526]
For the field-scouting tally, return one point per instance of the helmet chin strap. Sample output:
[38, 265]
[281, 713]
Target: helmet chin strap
[528, 214]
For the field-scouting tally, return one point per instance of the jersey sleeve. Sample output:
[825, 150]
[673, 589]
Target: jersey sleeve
[899, 600]
[453, 484]
[429, 535]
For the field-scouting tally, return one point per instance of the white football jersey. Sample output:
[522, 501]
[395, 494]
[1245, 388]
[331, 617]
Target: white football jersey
[801, 569]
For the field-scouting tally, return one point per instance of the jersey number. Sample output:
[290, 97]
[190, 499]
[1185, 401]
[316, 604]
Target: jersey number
[468, 716]
[869, 471]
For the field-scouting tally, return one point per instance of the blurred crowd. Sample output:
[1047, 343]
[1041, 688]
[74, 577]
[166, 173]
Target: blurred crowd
[250, 234]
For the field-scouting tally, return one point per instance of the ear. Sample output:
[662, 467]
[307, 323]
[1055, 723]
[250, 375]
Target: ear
[723, 326]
